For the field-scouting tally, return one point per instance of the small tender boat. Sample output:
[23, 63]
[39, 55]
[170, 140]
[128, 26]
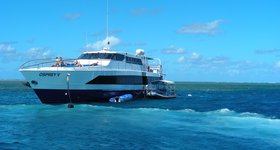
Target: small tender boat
[122, 98]
[161, 89]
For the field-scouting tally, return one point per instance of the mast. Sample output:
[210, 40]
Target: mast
[107, 28]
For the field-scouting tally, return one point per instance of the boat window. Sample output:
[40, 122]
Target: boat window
[94, 56]
[105, 56]
[89, 56]
[84, 56]
[118, 57]
[134, 60]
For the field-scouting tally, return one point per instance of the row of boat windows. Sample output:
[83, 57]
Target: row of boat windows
[117, 57]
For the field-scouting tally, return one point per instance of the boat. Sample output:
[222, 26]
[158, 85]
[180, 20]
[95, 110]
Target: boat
[122, 98]
[161, 89]
[95, 76]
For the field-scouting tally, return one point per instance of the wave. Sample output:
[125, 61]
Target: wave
[223, 111]
[225, 122]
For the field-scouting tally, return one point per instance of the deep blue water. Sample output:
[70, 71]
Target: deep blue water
[216, 116]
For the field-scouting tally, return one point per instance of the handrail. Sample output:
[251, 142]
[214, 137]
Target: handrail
[39, 62]
[23, 65]
[117, 65]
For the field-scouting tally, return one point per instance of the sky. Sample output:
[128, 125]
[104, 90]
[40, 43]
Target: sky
[197, 40]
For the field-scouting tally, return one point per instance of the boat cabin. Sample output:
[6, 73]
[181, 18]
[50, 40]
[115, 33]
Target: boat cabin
[161, 89]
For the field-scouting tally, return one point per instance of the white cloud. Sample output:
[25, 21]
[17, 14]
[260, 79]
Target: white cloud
[208, 28]
[99, 45]
[72, 16]
[37, 53]
[173, 50]
[195, 56]
[224, 65]
[197, 60]
[10, 53]
[7, 49]
[181, 59]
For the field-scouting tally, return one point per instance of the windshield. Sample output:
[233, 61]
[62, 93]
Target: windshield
[118, 57]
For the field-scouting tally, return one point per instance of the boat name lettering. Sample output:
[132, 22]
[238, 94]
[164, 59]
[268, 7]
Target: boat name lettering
[49, 74]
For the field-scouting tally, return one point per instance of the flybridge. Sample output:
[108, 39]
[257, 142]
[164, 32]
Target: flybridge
[100, 60]
[112, 56]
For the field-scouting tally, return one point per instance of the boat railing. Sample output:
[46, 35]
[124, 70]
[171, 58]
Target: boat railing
[39, 63]
[164, 89]
[155, 69]
[155, 65]
[73, 63]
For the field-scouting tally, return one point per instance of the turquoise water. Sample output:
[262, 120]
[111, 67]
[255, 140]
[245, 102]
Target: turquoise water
[216, 116]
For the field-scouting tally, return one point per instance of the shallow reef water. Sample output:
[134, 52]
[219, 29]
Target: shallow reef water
[203, 116]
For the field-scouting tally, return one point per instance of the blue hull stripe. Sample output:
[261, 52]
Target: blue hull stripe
[124, 80]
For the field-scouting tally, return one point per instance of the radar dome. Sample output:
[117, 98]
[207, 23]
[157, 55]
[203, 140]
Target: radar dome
[140, 52]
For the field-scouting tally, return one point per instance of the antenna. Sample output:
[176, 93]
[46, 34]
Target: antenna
[107, 26]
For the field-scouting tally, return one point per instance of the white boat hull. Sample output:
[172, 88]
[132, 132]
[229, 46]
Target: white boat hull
[51, 86]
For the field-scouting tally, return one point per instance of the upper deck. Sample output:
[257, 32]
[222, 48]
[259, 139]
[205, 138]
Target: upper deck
[98, 60]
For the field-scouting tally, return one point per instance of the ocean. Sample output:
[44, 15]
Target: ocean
[203, 116]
